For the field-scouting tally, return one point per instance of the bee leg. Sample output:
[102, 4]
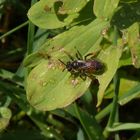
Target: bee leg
[91, 77]
[83, 77]
[78, 74]
[74, 74]
[69, 56]
[93, 54]
[79, 55]
[62, 63]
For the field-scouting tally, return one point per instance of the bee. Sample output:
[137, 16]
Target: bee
[84, 67]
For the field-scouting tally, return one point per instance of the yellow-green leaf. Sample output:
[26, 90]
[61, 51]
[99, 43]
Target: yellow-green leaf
[105, 9]
[5, 115]
[48, 86]
[134, 44]
[111, 58]
[43, 15]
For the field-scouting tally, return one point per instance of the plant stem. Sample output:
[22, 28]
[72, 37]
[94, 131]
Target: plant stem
[103, 113]
[30, 40]
[31, 32]
[15, 29]
[114, 111]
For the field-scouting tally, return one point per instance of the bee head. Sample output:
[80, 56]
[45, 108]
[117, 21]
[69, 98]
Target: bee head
[69, 66]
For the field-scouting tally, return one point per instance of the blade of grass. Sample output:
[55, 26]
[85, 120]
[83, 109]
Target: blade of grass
[30, 40]
[92, 128]
[124, 126]
[11, 77]
[31, 32]
[8, 101]
[15, 29]
[17, 94]
[46, 130]
[104, 112]
[113, 112]
[116, 121]
[129, 95]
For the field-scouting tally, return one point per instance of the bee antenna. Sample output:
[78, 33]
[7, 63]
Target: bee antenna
[62, 62]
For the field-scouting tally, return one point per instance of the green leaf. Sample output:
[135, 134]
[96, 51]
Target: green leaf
[51, 14]
[51, 88]
[105, 9]
[90, 125]
[84, 38]
[130, 94]
[43, 15]
[48, 87]
[72, 6]
[125, 86]
[124, 126]
[126, 57]
[111, 58]
[134, 44]
[5, 115]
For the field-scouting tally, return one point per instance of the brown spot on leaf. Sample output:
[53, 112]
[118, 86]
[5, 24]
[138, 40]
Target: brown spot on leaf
[47, 8]
[74, 82]
[44, 55]
[62, 11]
[104, 31]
